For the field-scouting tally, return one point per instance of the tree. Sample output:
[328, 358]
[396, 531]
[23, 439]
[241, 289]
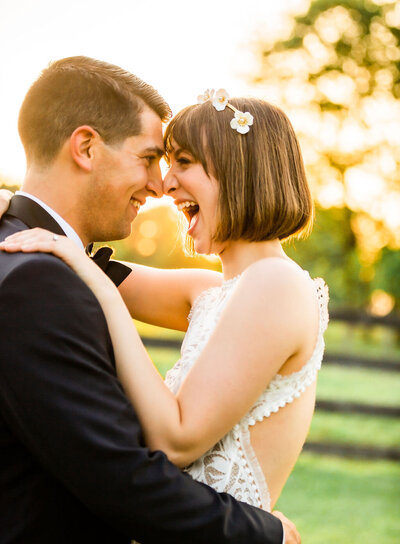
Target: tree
[157, 240]
[331, 253]
[337, 75]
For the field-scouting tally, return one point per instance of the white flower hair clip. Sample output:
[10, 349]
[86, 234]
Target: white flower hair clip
[220, 100]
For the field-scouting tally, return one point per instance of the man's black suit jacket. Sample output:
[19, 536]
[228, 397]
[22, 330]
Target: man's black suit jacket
[73, 467]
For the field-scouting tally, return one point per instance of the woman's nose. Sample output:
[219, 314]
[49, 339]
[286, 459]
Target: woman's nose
[170, 183]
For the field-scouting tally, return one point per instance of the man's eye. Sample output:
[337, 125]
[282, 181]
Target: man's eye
[150, 158]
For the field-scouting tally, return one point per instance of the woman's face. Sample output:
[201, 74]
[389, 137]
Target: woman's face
[196, 195]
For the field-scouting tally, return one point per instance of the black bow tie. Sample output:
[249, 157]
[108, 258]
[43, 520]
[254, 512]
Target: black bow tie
[117, 272]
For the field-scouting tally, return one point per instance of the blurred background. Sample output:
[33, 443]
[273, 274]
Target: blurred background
[334, 67]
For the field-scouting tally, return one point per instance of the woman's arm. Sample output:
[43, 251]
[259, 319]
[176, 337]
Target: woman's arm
[164, 297]
[5, 197]
[262, 329]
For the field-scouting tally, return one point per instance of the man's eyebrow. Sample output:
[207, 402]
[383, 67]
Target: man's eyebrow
[158, 151]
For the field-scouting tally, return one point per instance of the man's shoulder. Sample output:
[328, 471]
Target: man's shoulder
[11, 263]
[9, 225]
[41, 282]
[38, 272]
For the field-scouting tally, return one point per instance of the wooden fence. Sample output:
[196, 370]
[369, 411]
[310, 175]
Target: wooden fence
[350, 317]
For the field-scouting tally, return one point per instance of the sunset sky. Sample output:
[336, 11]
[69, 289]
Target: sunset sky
[180, 47]
[183, 48]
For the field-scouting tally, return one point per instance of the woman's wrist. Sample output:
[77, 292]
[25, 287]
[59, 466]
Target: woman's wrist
[5, 199]
[106, 292]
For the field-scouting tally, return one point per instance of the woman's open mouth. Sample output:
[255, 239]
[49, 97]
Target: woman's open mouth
[190, 210]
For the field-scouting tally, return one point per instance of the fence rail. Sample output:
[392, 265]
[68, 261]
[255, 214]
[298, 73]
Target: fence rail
[360, 317]
[387, 365]
[357, 452]
[357, 408]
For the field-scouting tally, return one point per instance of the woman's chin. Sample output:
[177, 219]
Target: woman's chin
[203, 247]
[200, 249]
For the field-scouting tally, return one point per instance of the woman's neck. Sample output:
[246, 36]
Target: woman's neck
[240, 254]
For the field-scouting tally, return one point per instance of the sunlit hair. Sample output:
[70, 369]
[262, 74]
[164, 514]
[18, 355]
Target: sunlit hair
[78, 91]
[263, 190]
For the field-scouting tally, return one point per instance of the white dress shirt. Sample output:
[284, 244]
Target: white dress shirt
[66, 227]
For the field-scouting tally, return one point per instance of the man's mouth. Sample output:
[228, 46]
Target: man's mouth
[136, 203]
[189, 208]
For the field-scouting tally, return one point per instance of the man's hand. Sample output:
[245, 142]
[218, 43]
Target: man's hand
[292, 535]
[5, 197]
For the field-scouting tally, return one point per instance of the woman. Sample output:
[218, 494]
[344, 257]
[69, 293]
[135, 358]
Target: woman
[238, 404]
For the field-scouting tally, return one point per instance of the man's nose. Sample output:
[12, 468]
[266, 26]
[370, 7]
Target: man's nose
[170, 183]
[155, 184]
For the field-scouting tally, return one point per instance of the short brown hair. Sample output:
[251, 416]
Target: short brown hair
[78, 91]
[263, 190]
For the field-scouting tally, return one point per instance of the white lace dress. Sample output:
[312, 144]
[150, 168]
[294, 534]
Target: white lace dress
[231, 465]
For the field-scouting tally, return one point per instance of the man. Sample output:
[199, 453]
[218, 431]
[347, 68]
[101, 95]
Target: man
[74, 467]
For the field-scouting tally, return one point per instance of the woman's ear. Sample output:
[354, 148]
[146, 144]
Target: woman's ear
[83, 142]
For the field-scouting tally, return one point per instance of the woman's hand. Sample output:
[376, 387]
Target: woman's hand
[5, 197]
[33, 240]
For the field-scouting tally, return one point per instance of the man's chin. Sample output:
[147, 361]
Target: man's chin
[109, 235]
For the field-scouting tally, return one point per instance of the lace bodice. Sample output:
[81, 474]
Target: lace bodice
[231, 464]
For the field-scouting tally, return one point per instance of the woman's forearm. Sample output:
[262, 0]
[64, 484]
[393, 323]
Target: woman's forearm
[158, 409]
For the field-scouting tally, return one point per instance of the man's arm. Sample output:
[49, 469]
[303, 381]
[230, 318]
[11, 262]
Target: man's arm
[60, 395]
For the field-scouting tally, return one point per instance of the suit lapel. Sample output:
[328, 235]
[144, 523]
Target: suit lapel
[32, 214]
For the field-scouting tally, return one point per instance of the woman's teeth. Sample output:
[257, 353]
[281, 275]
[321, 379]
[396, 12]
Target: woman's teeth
[188, 204]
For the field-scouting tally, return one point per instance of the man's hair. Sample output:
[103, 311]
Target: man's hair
[78, 91]
[263, 190]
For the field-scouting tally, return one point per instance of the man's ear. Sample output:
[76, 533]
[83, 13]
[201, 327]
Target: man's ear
[83, 142]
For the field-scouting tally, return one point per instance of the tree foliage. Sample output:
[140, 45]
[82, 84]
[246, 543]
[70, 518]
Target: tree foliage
[337, 75]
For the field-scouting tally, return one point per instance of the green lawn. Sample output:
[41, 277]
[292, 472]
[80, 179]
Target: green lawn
[355, 429]
[164, 358]
[359, 385]
[334, 500]
[374, 342]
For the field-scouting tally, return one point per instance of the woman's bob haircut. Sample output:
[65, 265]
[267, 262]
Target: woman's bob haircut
[263, 190]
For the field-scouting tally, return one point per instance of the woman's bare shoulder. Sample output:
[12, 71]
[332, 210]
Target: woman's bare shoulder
[278, 275]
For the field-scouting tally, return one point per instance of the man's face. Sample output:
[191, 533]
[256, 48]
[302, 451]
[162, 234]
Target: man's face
[123, 177]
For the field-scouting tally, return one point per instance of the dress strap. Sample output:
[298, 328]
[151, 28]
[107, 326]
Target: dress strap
[323, 299]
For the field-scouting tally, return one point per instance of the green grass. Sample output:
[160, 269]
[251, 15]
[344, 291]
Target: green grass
[359, 385]
[355, 429]
[335, 500]
[158, 332]
[372, 342]
[163, 358]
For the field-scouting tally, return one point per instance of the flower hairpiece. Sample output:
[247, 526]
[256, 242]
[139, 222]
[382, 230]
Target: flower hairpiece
[220, 100]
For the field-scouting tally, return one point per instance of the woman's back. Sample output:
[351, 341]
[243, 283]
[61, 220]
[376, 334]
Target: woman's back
[254, 459]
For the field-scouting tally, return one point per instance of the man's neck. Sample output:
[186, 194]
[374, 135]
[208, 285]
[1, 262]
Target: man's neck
[66, 227]
[55, 188]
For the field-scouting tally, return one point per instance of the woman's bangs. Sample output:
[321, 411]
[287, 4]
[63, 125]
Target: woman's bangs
[185, 130]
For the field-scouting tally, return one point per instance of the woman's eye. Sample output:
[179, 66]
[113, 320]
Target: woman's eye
[183, 161]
